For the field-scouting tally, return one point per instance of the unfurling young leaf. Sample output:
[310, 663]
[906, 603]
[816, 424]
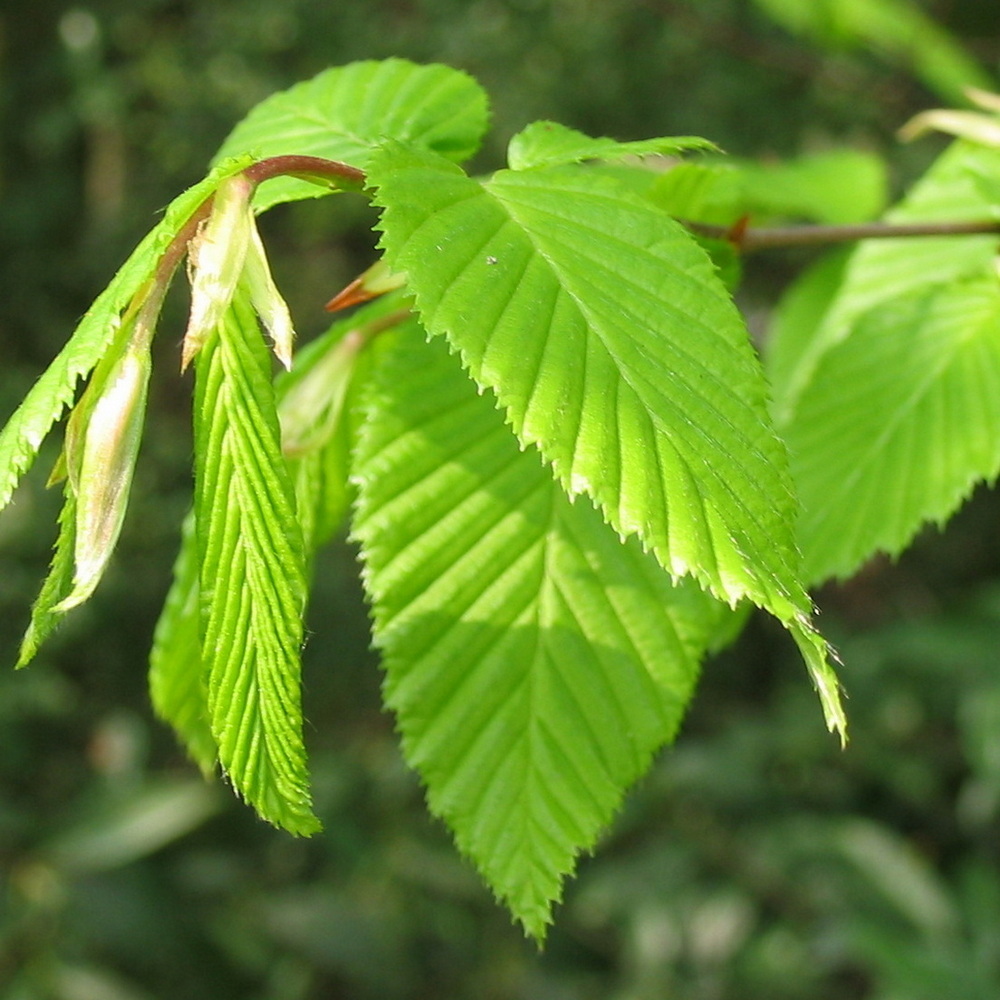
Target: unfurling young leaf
[252, 574]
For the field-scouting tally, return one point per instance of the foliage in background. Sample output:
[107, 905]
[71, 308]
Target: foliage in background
[634, 959]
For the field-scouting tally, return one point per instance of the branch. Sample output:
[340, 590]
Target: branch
[746, 239]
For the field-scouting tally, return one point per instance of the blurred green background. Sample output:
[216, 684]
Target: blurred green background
[757, 860]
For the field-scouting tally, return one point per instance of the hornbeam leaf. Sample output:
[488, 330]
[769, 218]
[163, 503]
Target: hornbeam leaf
[546, 144]
[57, 586]
[906, 337]
[901, 421]
[53, 392]
[534, 661]
[252, 576]
[344, 112]
[611, 343]
[882, 270]
[178, 680]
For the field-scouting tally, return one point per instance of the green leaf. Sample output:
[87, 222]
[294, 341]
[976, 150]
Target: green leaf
[800, 313]
[612, 345]
[701, 192]
[900, 422]
[178, 678]
[317, 403]
[895, 29]
[882, 270]
[534, 661]
[547, 144]
[344, 112]
[252, 576]
[57, 586]
[838, 186]
[21, 438]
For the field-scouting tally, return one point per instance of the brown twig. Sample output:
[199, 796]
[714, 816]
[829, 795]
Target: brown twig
[747, 239]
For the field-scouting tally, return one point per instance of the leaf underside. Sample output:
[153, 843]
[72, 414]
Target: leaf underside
[534, 662]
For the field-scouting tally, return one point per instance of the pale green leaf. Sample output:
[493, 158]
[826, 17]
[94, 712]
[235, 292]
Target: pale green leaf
[547, 144]
[21, 438]
[317, 410]
[178, 679]
[342, 113]
[882, 270]
[613, 346]
[898, 30]
[57, 586]
[838, 186]
[252, 576]
[800, 313]
[900, 422]
[535, 662]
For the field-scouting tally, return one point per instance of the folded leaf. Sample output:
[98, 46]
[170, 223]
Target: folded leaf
[252, 575]
[178, 679]
[902, 420]
[534, 661]
[21, 438]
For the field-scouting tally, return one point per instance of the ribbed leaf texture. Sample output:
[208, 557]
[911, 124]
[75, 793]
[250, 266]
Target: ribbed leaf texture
[612, 345]
[534, 661]
[889, 408]
[252, 577]
[21, 438]
[178, 680]
[342, 113]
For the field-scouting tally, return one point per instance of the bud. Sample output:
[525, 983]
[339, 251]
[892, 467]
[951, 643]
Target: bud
[266, 299]
[215, 261]
[376, 281]
[102, 442]
[981, 128]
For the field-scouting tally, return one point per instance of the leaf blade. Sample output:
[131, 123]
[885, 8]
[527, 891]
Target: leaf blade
[514, 626]
[530, 276]
[252, 577]
[343, 112]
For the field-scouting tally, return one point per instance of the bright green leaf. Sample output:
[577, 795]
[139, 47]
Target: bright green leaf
[839, 186]
[535, 662]
[547, 144]
[252, 575]
[342, 113]
[613, 347]
[900, 422]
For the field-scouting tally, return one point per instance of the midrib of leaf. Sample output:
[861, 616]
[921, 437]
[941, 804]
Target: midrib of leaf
[252, 586]
[709, 442]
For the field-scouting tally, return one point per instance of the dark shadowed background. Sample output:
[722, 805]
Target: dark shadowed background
[757, 861]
